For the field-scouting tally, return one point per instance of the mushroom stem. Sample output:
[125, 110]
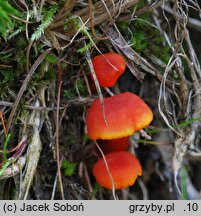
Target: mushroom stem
[108, 171]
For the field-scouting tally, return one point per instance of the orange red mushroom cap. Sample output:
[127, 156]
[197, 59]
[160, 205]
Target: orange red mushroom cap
[125, 113]
[124, 168]
[108, 67]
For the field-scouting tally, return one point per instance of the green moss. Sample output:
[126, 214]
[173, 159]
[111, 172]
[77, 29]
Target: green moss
[7, 76]
[138, 6]
[68, 168]
[85, 137]
[6, 22]
[69, 93]
[145, 38]
[139, 42]
[51, 59]
[96, 189]
[123, 26]
[81, 86]
[43, 77]
[184, 176]
[72, 91]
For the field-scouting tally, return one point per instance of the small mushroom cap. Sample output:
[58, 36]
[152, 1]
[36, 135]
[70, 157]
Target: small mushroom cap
[108, 67]
[124, 168]
[108, 146]
[125, 113]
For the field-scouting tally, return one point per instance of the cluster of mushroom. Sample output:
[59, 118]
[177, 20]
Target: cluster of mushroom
[125, 113]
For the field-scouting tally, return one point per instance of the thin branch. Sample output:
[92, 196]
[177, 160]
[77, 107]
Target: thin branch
[57, 142]
[24, 85]
[73, 102]
[108, 170]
